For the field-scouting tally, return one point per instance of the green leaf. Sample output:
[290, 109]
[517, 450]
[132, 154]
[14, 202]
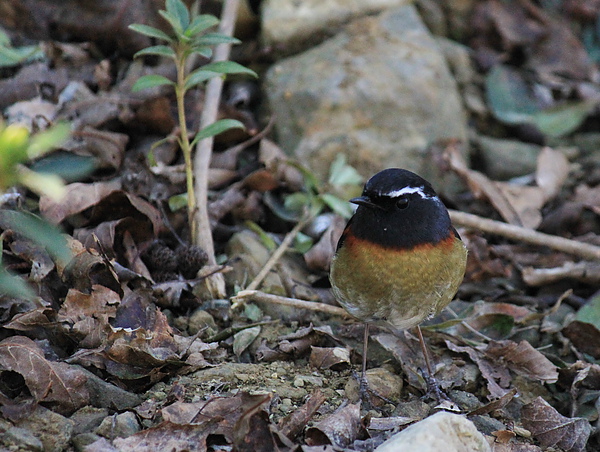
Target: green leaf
[338, 205]
[265, 238]
[151, 81]
[340, 173]
[43, 184]
[13, 56]
[310, 180]
[177, 202]
[496, 326]
[66, 165]
[303, 242]
[201, 23]
[38, 231]
[243, 339]
[14, 287]
[198, 76]
[509, 97]
[590, 312]
[178, 10]
[151, 31]
[279, 209]
[216, 128]
[300, 202]
[513, 101]
[203, 51]
[211, 39]
[563, 119]
[174, 22]
[4, 39]
[47, 140]
[228, 67]
[165, 51]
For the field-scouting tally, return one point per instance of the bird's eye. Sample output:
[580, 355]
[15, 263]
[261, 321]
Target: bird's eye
[402, 203]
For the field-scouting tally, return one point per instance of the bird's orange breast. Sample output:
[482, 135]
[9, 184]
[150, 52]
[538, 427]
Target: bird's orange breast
[398, 287]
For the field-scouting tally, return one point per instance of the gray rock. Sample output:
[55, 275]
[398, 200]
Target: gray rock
[451, 18]
[380, 92]
[505, 159]
[87, 419]
[248, 255]
[82, 441]
[119, 426]
[290, 25]
[442, 431]
[16, 438]
[202, 320]
[107, 395]
[53, 430]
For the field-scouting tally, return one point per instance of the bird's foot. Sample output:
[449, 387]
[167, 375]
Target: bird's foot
[436, 393]
[366, 394]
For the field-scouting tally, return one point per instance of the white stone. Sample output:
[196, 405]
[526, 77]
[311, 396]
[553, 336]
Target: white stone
[441, 432]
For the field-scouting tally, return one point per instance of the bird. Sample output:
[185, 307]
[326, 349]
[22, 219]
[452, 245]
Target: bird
[399, 260]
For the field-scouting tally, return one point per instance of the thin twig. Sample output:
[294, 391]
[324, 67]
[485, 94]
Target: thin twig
[581, 249]
[214, 87]
[285, 244]
[255, 295]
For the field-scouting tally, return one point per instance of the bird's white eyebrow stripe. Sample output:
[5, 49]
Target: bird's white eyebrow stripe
[407, 191]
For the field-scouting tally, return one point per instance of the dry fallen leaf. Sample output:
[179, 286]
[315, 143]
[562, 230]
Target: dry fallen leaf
[517, 204]
[496, 375]
[495, 404]
[585, 336]
[87, 315]
[56, 383]
[237, 420]
[335, 358]
[318, 258]
[589, 197]
[295, 422]
[552, 429]
[77, 198]
[523, 359]
[339, 429]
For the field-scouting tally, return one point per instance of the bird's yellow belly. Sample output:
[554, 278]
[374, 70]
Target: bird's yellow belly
[397, 287]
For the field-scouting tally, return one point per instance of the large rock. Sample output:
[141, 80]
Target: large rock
[51, 429]
[380, 91]
[442, 431]
[290, 25]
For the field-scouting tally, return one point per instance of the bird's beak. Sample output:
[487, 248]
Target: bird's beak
[365, 201]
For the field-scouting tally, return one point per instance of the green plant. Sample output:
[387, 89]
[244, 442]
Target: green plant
[343, 183]
[17, 146]
[303, 206]
[13, 56]
[189, 36]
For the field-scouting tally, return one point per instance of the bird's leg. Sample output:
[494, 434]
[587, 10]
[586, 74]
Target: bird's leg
[363, 384]
[433, 388]
[363, 375]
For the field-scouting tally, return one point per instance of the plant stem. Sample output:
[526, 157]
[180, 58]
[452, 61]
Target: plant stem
[202, 229]
[184, 143]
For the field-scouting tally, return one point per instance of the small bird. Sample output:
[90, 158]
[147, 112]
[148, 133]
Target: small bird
[399, 260]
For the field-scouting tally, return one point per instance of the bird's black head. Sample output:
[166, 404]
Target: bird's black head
[401, 210]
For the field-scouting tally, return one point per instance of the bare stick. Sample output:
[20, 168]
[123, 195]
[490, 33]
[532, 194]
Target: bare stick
[214, 87]
[255, 295]
[581, 249]
[285, 244]
[587, 272]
